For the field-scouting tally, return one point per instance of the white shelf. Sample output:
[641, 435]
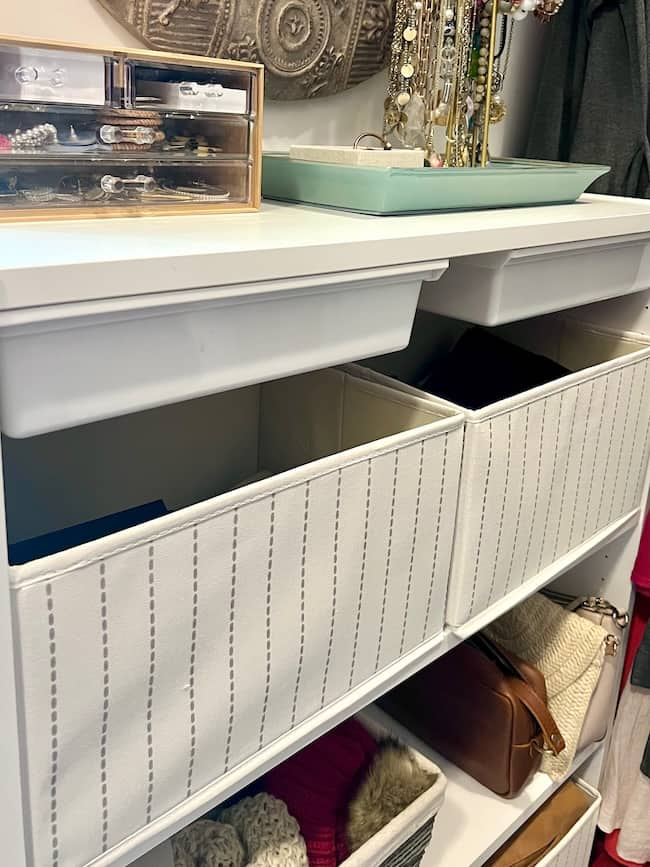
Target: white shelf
[199, 305]
[474, 822]
[92, 259]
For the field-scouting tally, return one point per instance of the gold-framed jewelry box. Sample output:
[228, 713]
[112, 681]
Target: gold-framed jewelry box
[91, 132]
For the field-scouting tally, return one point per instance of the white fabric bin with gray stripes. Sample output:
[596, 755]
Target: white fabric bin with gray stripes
[549, 470]
[159, 663]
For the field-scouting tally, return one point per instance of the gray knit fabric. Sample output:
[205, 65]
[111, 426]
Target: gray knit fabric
[592, 103]
[569, 651]
[209, 844]
[270, 835]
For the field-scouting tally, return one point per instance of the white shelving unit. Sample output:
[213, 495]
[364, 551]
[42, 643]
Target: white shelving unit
[98, 320]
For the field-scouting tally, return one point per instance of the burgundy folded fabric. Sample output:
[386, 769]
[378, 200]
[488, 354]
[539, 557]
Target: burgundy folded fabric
[317, 785]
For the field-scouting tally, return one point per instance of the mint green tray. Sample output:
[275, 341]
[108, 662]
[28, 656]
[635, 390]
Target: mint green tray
[503, 184]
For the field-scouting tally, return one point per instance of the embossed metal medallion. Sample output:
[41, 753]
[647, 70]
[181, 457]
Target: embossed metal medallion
[309, 47]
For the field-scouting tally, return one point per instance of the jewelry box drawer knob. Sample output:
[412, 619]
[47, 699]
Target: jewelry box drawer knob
[110, 134]
[26, 74]
[57, 79]
[111, 184]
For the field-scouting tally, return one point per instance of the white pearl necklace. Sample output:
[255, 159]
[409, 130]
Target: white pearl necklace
[36, 137]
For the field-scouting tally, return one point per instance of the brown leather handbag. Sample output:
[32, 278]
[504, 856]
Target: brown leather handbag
[483, 709]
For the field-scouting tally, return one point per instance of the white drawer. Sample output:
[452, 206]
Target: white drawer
[70, 364]
[494, 288]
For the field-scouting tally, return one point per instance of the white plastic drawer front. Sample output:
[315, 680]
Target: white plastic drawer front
[157, 660]
[181, 345]
[494, 288]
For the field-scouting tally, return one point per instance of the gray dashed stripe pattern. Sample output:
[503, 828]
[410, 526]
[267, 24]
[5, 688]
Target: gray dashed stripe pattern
[592, 475]
[609, 450]
[581, 462]
[416, 518]
[192, 675]
[515, 541]
[54, 728]
[105, 705]
[536, 499]
[150, 687]
[503, 510]
[335, 579]
[486, 489]
[644, 452]
[540, 561]
[617, 472]
[362, 578]
[639, 414]
[436, 544]
[566, 474]
[389, 551]
[231, 640]
[303, 574]
[269, 586]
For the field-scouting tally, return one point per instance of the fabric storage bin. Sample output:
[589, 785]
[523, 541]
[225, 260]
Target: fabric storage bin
[574, 849]
[403, 841]
[547, 471]
[156, 661]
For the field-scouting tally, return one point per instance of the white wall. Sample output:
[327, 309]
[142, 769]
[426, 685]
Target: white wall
[331, 120]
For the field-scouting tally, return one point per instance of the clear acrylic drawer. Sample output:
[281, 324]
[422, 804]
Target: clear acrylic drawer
[33, 74]
[179, 87]
[124, 134]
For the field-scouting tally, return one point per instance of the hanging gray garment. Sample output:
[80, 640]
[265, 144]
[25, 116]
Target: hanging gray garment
[641, 668]
[641, 677]
[592, 103]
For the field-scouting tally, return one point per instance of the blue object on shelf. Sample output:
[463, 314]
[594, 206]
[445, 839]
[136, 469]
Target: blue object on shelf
[89, 531]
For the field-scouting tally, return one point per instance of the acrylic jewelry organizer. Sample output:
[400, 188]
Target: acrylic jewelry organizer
[448, 63]
[95, 132]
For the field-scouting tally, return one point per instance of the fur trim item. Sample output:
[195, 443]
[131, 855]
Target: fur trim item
[394, 780]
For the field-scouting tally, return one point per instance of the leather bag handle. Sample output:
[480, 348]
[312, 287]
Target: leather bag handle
[536, 706]
[553, 739]
[507, 662]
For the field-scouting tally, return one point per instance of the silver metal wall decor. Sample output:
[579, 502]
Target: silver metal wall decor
[309, 47]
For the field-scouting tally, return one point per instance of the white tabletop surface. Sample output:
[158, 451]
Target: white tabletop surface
[62, 261]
